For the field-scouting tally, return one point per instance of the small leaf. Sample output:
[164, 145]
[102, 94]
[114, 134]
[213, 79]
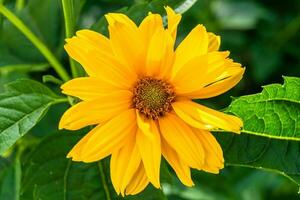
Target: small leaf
[21, 107]
[274, 113]
[52, 79]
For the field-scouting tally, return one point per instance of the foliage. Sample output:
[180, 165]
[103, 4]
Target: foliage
[33, 163]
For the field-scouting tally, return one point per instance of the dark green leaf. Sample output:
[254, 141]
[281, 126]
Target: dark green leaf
[21, 107]
[45, 20]
[48, 174]
[281, 156]
[10, 179]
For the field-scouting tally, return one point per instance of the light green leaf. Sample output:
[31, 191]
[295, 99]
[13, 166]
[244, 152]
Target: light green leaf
[274, 113]
[21, 107]
[271, 133]
[49, 175]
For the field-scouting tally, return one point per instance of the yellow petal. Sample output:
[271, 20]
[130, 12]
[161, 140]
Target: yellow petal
[148, 141]
[138, 182]
[87, 88]
[75, 153]
[97, 60]
[194, 45]
[85, 41]
[214, 42]
[124, 164]
[183, 140]
[125, 40]
[220, 86]
[210, 117]
[96, 111]
[181, 169]
[160, 54]
[173, 21]
[214, 160]
[109, 137]
[199, 72]
[151, 24]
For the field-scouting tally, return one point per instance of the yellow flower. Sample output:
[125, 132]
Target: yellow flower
[139, 93]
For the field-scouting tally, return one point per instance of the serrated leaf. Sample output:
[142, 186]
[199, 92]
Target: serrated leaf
[271, 131]
[274, 113]
[21, 107]
[49, 175]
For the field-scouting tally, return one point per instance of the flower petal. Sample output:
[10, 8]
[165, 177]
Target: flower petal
[85, 40]
[87, 88]
[199, 72]
[96, 111]
[75, 153]
[125, 39]
[97, 60]
[138, 182]
[194, 45]
[123, 165]
[214, 160]
[220, 86]
[173, 21]
[183, 140]
[160, 56]
[181, 169]
[109, 137]
[210, 117]
[214, 42]
[150, 25]
[148, 141]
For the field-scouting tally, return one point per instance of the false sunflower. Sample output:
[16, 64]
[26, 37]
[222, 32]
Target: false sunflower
[139, 93]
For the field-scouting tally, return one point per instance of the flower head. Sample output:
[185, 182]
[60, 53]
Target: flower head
[139, 93]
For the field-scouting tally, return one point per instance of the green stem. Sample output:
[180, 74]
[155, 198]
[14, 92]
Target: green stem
[69, 15]
[20, 4]
[103, 179]
[62, 100]
[38, 43]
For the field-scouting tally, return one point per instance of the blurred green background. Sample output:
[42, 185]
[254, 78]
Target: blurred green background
[263, 35]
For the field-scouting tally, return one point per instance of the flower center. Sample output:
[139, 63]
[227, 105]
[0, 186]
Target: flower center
[153, 97]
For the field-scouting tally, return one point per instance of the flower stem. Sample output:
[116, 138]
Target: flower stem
[103, 179]
[70, 19]
[36, 41]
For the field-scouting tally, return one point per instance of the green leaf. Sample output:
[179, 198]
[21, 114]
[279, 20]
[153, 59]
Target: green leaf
[49, 175]
[271, 132]
[274, 113]
[10, 179]
[21, 107]
[45, 20]
[280, 156]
